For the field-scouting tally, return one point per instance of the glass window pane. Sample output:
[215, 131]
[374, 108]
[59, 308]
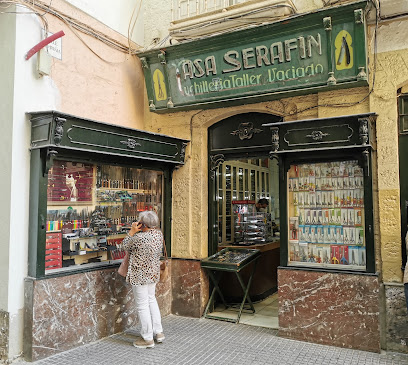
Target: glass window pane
[404, 105]
[240, 205]
[227, 177]
[253, 186]
[246, 180]
[326, 215]
[228, 202]
[90, 208]
[404, 124]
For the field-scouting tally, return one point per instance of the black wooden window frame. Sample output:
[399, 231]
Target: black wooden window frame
[56, 135]
[36, 259]
[403, 113]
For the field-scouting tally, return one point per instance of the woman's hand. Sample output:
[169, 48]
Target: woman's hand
[136, 227]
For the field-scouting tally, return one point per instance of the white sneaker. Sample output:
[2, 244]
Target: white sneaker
[143, 344]
[160, 337]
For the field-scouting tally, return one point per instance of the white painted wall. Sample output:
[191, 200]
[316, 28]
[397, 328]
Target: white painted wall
[114, 16]
[7, 36]
[158, 17]
[21, 91]
[392, 36]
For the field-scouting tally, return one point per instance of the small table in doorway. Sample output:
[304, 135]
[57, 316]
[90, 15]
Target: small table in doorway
[230, 259]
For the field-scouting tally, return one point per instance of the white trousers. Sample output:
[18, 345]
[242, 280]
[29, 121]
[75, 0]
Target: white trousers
[147, 310]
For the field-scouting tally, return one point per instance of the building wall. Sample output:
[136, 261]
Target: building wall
[127, 19]
[330, 308]
[160, 12]
[7, 49]
[190, 184]
[391, 74]
[80, 309]
[106, 86]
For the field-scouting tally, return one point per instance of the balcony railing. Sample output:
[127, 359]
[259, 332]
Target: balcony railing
[183, 9]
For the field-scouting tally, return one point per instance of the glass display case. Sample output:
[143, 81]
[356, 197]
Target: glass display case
[90, 208]
[251, 227]
[326, 215]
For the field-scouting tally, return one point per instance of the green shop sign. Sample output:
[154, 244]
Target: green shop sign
[302, 54]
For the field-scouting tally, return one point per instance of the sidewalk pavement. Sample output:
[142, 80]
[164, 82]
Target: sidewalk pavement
[206, 341]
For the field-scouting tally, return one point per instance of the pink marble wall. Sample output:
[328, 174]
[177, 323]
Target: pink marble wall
[328, 308]
[69, 311]
[189, 288]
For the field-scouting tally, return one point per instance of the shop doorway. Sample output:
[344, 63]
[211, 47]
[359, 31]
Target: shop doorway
[244, 213]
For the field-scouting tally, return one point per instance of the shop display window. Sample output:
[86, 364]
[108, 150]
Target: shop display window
[326, 215]
[90, 208]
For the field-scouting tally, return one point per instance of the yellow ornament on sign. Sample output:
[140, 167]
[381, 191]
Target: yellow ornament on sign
[159, 85]
[344, 51]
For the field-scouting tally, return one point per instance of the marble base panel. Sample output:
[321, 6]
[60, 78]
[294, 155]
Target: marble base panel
[4, 335]
[396, 318]
[68, 311]
[189, 288]
[337, 309]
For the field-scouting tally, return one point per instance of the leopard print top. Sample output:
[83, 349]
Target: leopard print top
[145, 249]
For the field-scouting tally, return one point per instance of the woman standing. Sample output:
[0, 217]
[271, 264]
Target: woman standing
[144, 243]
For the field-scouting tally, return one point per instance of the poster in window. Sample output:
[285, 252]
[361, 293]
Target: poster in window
[70, 182]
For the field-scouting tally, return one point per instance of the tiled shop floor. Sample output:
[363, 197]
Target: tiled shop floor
[206, 341]
[266, 313]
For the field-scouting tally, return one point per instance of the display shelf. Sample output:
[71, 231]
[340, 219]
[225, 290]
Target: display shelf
[83, 252]
[94, 206]
[251, 227]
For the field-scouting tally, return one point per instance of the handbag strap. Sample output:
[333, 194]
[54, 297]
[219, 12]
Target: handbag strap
[165, 250]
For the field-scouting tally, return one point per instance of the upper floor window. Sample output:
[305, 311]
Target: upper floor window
[188, 8]
[194, 19]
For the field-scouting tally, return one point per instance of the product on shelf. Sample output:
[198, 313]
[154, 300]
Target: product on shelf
[326, 214]
[91, 207]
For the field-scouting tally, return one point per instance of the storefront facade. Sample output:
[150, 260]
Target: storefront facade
[90, 180]
[262, 106]
[72, 141]
[235, 101]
